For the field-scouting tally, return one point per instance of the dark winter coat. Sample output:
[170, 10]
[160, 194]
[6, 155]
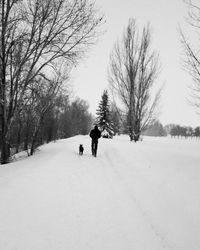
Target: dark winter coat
[95, 133]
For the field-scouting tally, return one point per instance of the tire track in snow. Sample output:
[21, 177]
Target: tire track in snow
[119, 160]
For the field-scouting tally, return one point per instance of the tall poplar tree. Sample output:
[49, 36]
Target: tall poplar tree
[133, 71]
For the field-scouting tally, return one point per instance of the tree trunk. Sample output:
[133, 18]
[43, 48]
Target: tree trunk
[33, 143]
[34, 139]
[136, 138]
[19, 137]
[5, 146]
[131, 135]
[136, 131]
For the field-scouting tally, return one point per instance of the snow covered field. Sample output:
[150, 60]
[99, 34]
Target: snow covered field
[143, 196]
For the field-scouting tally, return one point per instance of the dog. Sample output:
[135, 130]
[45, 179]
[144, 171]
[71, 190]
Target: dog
[81, 149]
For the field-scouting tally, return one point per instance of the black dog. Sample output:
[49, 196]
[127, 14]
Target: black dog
[81, 149]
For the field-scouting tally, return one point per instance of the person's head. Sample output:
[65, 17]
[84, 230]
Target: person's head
[95, 127]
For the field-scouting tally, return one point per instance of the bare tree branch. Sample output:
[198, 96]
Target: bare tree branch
[191, 61]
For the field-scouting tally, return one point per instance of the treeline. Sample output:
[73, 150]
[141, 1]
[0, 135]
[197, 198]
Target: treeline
[155, 129]
[173, 130]
[182, 131]
[46, 119]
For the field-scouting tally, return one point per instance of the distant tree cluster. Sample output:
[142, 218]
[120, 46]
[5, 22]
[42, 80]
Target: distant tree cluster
[183, 131]
[74, 119]
[155, 129]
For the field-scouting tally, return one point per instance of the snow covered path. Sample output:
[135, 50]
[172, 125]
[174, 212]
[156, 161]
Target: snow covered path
[143, 196]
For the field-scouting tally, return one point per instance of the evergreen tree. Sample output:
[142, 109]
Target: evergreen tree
[103, 117]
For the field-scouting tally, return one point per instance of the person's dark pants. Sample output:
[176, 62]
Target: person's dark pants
[94, 146]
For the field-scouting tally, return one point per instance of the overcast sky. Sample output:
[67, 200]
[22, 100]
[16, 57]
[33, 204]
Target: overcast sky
[90, 78]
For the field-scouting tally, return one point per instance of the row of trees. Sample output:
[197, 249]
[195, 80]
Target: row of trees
[182, 131]
[155, 129]
[47, 119]
[40, 41]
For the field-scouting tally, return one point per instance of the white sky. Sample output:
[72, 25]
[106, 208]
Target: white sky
[90, 78]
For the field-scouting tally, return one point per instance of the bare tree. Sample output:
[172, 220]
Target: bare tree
[44, 95]
[35, 37]
[132, 73]
[191, 61]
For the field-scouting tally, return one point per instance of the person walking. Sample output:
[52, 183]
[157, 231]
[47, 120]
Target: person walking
[95, 134]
